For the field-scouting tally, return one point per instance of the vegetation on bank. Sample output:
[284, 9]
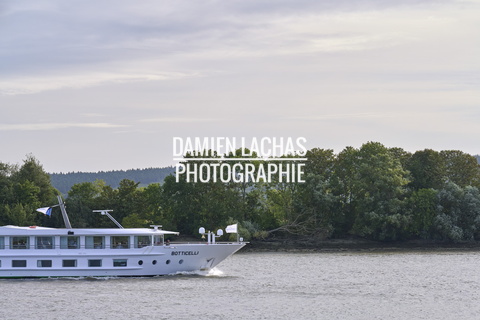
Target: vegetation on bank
[373, 192]
[63, 182]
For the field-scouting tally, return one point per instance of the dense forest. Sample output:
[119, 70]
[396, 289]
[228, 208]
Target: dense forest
[373, 192]
[63, 182]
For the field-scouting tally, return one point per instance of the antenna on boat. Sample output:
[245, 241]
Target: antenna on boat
[105, 213]
[64, 213]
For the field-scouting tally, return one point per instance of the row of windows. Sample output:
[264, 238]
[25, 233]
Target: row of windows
[72, 263]
[73, 242]
[68, 263]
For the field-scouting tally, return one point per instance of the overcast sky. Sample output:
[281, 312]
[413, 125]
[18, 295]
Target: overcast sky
[106, 85]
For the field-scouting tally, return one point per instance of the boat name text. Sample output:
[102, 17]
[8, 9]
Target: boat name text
[184, 253]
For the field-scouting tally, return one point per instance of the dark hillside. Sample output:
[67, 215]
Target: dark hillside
[64, 181]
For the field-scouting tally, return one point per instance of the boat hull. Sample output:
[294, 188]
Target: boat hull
[147, 261]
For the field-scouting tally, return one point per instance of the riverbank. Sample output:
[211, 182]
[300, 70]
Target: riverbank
[346, 244]
[355, 245]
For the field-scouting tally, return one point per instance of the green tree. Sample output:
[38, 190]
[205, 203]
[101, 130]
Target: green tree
[26, 193]
[246, 205]
[154, 207]
[210, 203]
[134, 221]
[379, 188]
[20, 215]
[423, 206]
[33, 171]
[458, 213]
[314, 199]
[6, 192]
[22, 190]
[181, 204]
[461, 168]
[343, 184]
[427, 168]
[129, 199]
[82, 199]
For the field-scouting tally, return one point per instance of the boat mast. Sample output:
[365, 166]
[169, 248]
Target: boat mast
[64, 213]
[105, 213]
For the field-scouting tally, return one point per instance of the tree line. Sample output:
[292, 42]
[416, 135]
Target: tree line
[373, 192]
[63, 182]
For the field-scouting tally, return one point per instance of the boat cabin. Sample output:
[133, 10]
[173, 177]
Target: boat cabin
[39, 238]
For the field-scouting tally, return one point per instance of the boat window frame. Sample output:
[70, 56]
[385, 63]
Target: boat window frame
[69, 260]
[158, 240]
[2, 243]
[22, 262]
[139, 241]
[94, 244]
[65, 242]
[42, 245]
[90, 264]
[16, 245]
[120, 242]
[120, 263]
[42, 261]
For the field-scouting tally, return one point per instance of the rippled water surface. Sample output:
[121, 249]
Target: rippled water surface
[425, 285]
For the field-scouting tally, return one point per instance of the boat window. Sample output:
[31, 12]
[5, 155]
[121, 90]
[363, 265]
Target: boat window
[142, 241]
[2, 242]
[158, 240]
[19, 242]
[70, 242]
[19, 263]
[44, 243]
[119, 262]
[69, 263]
[95, 242]
[119, 242]
[44, 263]
[95, 263]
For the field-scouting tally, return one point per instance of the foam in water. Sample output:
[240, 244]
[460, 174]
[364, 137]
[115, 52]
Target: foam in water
[204, 273]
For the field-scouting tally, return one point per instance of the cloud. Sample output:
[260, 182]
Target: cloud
[56, 126]
[93, 115]
[368, 115]
[336, 72]
[59, 45]
[32, 84]
[180, 119]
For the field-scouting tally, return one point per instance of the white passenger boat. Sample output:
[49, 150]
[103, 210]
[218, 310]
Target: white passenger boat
[71, 252]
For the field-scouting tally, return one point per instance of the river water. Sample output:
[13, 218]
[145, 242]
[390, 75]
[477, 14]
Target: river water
[406, 285]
